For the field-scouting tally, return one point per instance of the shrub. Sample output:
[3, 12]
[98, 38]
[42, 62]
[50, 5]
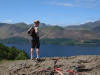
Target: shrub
[12, 53]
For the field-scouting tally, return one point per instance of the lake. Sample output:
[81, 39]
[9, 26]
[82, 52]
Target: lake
[58, 50]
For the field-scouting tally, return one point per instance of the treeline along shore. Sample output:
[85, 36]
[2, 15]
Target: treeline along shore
[55, 41]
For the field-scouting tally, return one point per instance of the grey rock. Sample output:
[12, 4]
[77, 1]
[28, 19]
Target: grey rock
[89, 64]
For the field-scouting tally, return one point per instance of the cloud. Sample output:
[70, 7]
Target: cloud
[63, 4]
[7, 21]
[26, 22]
[77, 3]
[87, 3]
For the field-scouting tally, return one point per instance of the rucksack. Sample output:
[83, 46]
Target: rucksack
[31, 32]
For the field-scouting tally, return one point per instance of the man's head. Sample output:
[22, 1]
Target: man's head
[36, 23]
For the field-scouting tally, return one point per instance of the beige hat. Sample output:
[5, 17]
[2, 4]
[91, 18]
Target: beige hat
[36, 21]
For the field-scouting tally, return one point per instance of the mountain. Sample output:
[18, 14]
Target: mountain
[11, 30]
[41, 25]
[89, 25]
[87, 31]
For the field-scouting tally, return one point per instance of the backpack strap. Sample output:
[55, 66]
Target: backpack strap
[30, 30]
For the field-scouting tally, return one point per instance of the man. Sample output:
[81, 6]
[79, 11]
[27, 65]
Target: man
[34, 33]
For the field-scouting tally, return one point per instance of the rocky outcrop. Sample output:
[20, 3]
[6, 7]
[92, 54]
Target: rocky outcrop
[89, 64]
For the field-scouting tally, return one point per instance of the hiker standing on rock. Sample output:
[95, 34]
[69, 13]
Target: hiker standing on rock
[34, 33]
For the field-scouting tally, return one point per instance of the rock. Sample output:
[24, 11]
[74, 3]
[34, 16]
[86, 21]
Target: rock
[89, 64]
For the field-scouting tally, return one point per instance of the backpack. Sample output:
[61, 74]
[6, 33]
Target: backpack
[31, 32]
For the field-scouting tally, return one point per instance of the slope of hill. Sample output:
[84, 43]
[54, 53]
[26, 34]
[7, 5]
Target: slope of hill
[87, 65]
[15, 30]
[89, 25]
[83, 32]
[12, 53]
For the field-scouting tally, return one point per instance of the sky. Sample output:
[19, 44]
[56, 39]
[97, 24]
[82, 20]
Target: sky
[55, 12]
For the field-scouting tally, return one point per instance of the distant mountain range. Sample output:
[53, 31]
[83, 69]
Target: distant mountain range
[86, 26]
[87, 31]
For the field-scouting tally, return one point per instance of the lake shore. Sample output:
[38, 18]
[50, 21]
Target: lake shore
[84, 63]
[55, 41]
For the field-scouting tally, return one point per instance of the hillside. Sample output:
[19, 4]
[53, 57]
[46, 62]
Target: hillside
[12, 53]
[88, 65]
[87, 31]
[86, 26]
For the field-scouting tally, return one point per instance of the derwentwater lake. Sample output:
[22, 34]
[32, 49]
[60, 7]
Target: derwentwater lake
[59, 50]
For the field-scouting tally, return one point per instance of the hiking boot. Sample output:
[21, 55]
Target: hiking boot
[33, 58]
[37, 59]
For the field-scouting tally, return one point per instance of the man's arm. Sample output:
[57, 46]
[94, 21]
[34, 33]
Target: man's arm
[30, 30]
